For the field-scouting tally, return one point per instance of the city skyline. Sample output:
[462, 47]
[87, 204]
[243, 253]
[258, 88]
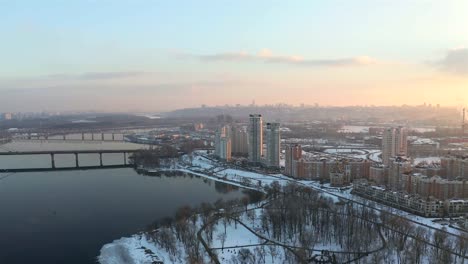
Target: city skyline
[156, 56]
[248, 131]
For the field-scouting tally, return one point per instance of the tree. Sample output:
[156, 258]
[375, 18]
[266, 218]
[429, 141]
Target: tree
[245, 201]
[274, 189]
[222, 238]
[246, 256]
[462, 245]
[419, 247]
[145, 157]
[273, 252]
[439, 239]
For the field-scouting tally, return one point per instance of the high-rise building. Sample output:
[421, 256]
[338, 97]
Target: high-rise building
[239, 141]
[255, 142]
[273, 143]
[397, 167]
[225, 149]
[394, 143]
[388, 145]
[401, 140]
[292, 153]
[219, 133]
[223, 143]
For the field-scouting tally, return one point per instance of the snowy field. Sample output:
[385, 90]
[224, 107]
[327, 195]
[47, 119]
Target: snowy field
[423, 129]
[370, 154]
[354, 129]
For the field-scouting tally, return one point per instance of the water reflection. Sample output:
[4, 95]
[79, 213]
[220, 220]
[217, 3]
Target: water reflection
[66, 216]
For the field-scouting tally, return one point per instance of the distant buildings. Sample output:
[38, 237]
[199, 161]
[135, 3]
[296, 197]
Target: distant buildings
[7, 116]
[230, 140]
[27, 115]
[338, 171]
[453, 167]
[273, 143]
[192, 127]
[239, 141]
[255, 139]
[423, 147]
[394, 143]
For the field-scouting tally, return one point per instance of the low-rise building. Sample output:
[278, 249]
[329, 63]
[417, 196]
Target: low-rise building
[453, 167]
[378, 174]
[320, 168]
[427, 207]
[423, 147]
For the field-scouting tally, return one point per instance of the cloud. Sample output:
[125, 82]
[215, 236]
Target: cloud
[266, 56]
[97, 75]
[455, 61]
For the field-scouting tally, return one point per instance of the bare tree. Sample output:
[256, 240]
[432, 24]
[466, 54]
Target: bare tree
[222, 238]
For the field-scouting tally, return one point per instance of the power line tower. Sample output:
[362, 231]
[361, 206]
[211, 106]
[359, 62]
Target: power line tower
[463, 125]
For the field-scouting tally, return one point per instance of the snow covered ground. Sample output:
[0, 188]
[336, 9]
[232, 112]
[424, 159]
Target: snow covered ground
[334, 193]
[340, 150]
[354, 129]
[131, 250]
[227, 237]
[374, 156]
[428, 160]
[423, 129]
[138, 250]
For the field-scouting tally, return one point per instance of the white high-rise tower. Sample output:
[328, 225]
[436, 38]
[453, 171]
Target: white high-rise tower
[273, 143]
[255, 142]
[394, 143]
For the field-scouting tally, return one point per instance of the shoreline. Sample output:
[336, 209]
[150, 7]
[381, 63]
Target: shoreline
[206, 168]
[236, 177]
[199, 174]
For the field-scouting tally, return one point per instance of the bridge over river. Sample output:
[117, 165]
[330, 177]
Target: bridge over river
[53, 153]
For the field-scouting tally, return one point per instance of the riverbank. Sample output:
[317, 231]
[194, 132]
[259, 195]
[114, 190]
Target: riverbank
[202, 166]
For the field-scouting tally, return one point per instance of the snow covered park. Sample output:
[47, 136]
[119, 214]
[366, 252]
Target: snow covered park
[245, 235]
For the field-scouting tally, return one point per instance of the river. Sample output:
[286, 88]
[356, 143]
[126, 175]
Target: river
[67, 216]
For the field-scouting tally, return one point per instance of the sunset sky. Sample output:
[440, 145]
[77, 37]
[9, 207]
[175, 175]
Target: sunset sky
[163, 55]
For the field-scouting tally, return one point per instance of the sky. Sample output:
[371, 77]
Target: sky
[161, 55]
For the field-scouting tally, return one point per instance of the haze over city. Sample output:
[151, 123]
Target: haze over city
[234, 132]
[164, 55]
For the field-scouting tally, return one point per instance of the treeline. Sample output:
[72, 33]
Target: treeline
[151, 157]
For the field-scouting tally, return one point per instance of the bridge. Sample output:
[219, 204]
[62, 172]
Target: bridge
[87, 133]
[81, 136]
[52, 154]
[65, 168]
